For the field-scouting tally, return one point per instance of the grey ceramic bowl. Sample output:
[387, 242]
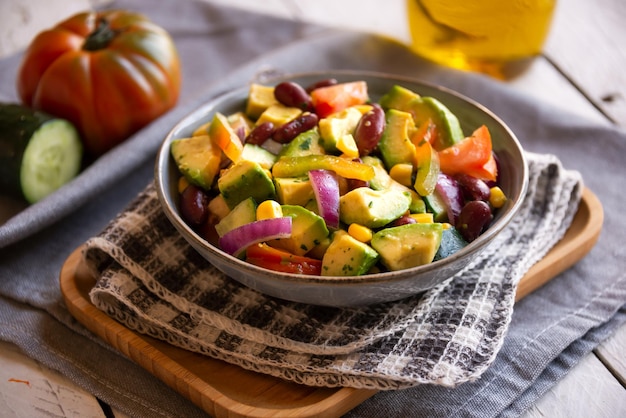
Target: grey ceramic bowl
[367, 289]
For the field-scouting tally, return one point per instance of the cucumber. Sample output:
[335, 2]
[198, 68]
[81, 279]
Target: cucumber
[38, 152]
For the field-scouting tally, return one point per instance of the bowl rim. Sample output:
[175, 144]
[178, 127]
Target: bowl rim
[366, 279]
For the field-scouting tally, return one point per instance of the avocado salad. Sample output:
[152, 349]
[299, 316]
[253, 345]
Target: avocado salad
[321, 180]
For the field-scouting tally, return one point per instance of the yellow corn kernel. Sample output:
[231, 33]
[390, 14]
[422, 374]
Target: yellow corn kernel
[347, 145]
[182, 184]
[446, 225]
[363, 108]
[268, 209]
[402, 173]
[360, 232]
[423, 218]
[497, 197]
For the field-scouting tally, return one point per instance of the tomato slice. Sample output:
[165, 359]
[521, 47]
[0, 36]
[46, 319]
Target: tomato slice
[335, 98]
[471, 156]
[263, 255]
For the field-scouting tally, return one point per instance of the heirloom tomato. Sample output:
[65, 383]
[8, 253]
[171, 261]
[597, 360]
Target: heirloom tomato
[110, 73]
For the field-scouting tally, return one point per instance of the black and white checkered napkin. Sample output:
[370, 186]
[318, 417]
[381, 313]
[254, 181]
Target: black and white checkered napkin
[153, 282]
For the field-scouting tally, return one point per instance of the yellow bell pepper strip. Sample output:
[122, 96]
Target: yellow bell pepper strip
[300, 166]
[225, 137]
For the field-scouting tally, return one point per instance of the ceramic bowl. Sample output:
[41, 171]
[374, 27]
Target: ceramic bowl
[366, 289]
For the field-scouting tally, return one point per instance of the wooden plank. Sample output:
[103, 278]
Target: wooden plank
[589, 390]
[587, 43]
[30, 389]
[611, 353]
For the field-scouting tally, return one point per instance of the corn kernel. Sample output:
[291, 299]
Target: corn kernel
[363, 108]
[423, 218]
[446, 225]
[497, 197]
[269, 209]
[402, 173]
[360, 232]
[347, 145]
[182, 184]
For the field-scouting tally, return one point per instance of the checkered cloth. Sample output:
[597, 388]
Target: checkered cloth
[153, 282]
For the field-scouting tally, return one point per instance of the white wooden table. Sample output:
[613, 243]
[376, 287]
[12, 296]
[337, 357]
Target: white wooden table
[583, 69]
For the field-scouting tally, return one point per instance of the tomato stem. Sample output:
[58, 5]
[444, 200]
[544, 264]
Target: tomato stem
[101, 37]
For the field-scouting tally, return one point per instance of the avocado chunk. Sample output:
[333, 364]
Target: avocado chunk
[408, 245]
[451, 242]
[346, 256]
[398, 97]
[198, 159]
[258, 154]
[382, 180]
[337, 125]
[278, 114]
[306, 143]
[449, 130]
[243, 213]
[260, 97]
[307, 230]
[294, 190]
[373, 208]
[395, 143]
[245, 179]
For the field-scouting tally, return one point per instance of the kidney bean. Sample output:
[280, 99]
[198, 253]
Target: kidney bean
[260, 133]
[473, 188]
[293, 128]
[193, 205]
[473, 219]
[292, 94]
[369, 130]
[322, 83]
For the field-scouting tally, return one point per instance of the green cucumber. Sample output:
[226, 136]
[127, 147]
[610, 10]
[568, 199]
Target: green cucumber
[38, 152]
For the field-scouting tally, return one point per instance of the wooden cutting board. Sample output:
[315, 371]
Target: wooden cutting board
[225, 390]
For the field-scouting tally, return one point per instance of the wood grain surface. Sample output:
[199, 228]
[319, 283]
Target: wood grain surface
[225, 390]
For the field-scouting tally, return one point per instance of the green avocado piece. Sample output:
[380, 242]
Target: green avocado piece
[245, 179]
[408, 245]
[334, 127]
[306, 143]
[278, 114]
[198, 159]
[451, 242]
[373, 208]
[395, 143]
[243, 213]
[260, 97]
[307, 230]
[449, 130]
[398, 97]
[256, 153]
[346, 256]
[294, 190]
[382, 180]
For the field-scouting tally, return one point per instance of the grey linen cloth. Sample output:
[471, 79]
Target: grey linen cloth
[549, 332]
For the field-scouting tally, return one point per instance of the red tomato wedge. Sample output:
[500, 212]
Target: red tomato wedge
[263, 255]
[335, 98]
[471, 156]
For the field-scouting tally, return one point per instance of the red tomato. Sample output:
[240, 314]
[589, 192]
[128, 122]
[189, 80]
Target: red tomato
[471, 156]
[109, 73]
[335, 98]
[263, 255]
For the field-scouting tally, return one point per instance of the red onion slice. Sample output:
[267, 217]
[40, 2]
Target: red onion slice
[450, 192]
[326, 188]
[237, 240]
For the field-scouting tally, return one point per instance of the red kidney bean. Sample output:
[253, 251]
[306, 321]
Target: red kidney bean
[293, 128]
[292, 94]
[322, 83]
[193, 205]
[473, 219]
[260, 133]
[369, 130]
[473, 188]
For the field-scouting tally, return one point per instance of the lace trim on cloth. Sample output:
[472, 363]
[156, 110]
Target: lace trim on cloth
[152, 281]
